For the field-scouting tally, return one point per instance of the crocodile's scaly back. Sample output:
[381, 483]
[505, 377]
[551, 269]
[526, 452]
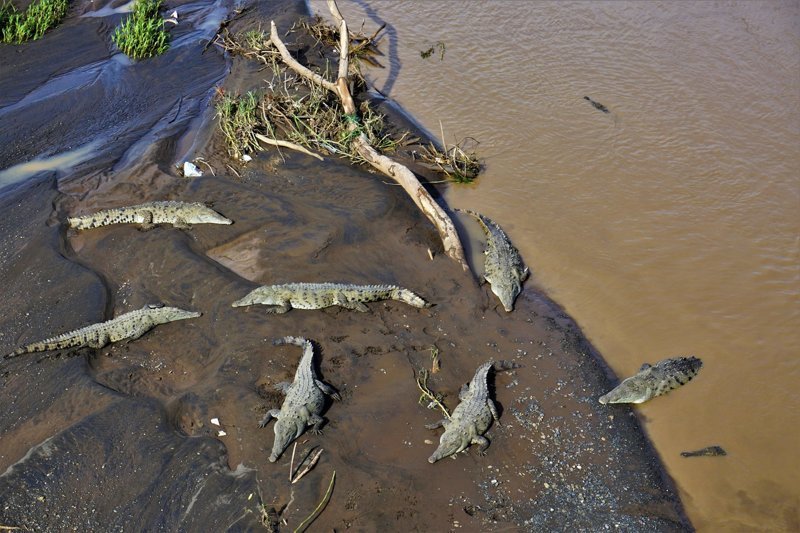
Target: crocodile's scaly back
[652, 381]
[471, 418]
[180, 214]
[320, 295]
[304, 401]
[504, 269]
[128, 326]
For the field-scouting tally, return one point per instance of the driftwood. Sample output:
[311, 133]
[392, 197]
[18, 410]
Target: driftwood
[400, 173]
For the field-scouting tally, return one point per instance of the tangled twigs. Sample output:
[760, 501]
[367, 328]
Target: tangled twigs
[426, 392]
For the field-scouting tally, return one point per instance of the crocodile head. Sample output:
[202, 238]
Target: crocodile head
[507, 287]
[632, 390]
[205, 215]
[262, 295]
[451, 442]
[170, 314]
[286, 430]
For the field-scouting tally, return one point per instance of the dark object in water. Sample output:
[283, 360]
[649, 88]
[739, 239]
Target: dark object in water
[709, 451]
[597, 105]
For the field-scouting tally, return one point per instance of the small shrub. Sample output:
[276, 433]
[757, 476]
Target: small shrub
[142, 34]
[41, 15]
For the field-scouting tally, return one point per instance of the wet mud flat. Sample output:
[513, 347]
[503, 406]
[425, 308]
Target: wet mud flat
[121, 438]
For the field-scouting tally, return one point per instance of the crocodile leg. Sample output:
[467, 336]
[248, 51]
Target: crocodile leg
[342, 301]
[493, 410]
[483, 441]
[463, 391]
[327, 389]
[279, 309]
[147, 223]
[283, 386]
[437, 424]
[181, 224]
[317, 422]
[272, 413]
[101, 340]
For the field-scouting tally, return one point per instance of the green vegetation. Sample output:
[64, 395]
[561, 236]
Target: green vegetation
[142, 35]
[238, 120]
[41, 15]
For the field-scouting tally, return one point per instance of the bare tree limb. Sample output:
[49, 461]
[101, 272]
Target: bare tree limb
[400, 173]
[287, 144]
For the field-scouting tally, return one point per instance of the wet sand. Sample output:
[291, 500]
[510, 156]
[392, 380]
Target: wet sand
[121, 437]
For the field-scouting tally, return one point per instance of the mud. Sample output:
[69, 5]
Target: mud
[122, 438]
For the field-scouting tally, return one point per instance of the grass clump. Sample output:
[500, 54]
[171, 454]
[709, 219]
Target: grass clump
[41, 15]
[238, 120]
[142, 35]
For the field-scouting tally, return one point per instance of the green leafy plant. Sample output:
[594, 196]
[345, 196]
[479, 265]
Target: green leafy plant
[41, 15]
[142, 34]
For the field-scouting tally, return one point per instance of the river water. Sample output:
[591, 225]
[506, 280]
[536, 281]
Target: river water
[668, 226]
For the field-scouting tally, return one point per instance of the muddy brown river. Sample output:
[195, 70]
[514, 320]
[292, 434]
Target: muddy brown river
[162, 433]
[668, 226]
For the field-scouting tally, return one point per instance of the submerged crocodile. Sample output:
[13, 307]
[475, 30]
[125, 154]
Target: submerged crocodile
[504, 269]
[652, 381]
[179, 214]
[597, 105]
[129, 326]
[708, 451]
[472, 417]
[305, 399]
[282, 298]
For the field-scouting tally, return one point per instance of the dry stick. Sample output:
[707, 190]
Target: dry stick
[287, 144]
[307, 522]
[291, 464]
[308, 467]
[401, 174]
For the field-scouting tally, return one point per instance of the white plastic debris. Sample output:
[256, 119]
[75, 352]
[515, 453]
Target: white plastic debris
[215, 421]
[221, 433]
[190, 170]
[246, 158]
[173, 18]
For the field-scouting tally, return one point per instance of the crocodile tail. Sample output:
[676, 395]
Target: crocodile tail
[503, 364]
[298, 341]
[81, 222]
[15, 353]
[405, 295]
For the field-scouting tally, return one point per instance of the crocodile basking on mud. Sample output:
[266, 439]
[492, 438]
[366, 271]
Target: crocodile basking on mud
[504, 269]
[282, 298]
[652, 381]
[129, 326]
[179, 214]
[472, 417]
[305, 399]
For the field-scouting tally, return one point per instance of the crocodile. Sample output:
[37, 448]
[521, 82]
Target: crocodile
[708, 451]
[652, 381]
[504, 269]
[305, 399]
[282, 298]
[472, 417]
[179, 214]
[128, 326]
[597, 105]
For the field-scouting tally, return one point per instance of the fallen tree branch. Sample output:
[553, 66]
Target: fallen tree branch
[400, 173]
[287, 144]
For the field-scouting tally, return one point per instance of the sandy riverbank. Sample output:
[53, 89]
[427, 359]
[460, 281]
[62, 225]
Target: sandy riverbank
[122, 437]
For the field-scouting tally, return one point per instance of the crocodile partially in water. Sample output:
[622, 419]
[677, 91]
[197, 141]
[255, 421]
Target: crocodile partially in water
[305, 400]
[708, 451]
[128, 326]
[655, 380]
[282, 298]
[472, 417]
[504, 269]
[179, 214]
